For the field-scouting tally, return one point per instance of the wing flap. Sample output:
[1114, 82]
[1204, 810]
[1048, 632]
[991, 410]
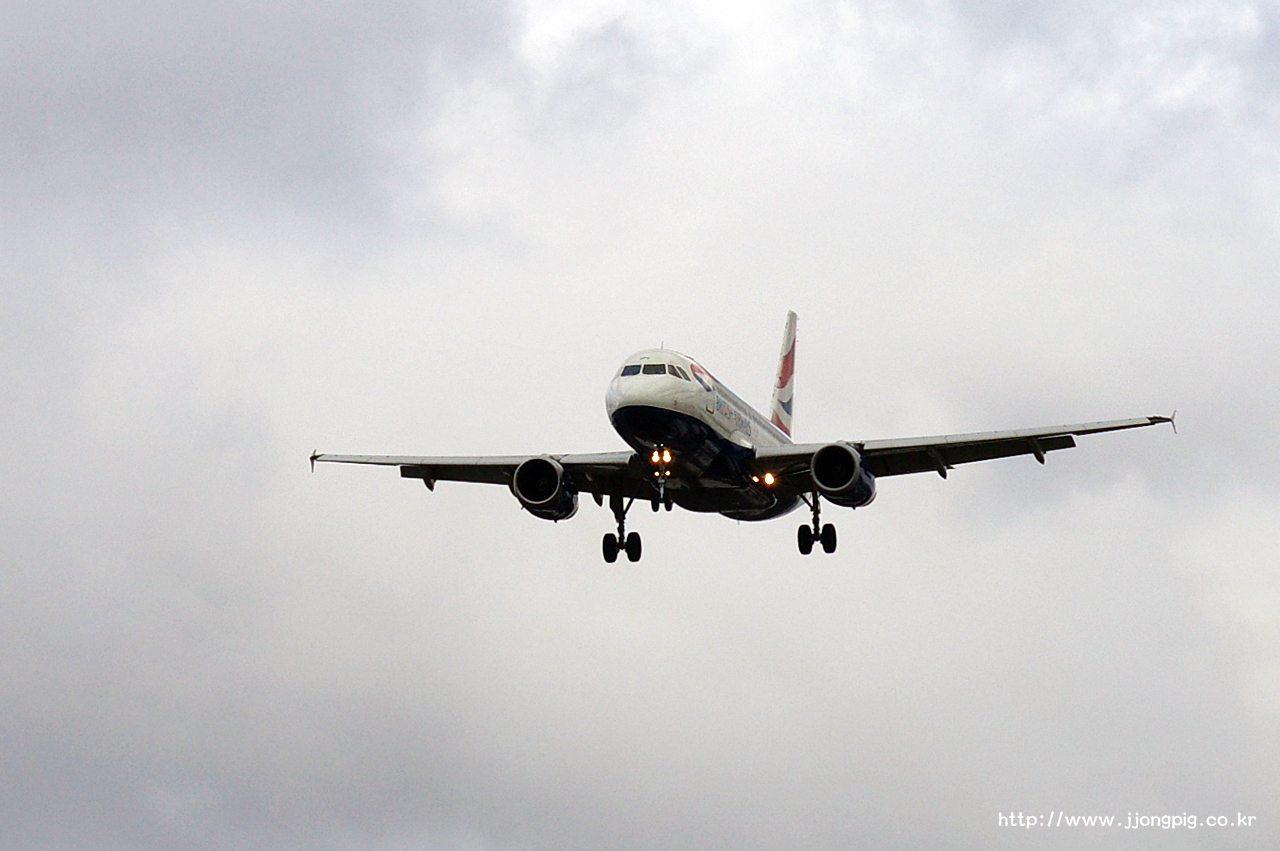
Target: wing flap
[935, 457]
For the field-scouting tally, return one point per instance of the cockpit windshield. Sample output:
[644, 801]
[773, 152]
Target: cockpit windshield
[655, 369]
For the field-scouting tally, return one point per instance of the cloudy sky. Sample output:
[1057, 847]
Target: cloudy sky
[235, 233]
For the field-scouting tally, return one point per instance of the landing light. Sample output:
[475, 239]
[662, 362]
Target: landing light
[666, 456]
[768, 478]
[655, 456]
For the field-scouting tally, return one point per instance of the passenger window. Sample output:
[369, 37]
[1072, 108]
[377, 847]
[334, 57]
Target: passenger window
[631, 369]
[655, 369]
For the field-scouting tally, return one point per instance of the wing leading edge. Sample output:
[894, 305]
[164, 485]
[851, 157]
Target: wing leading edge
[598, 473]
[939, 454]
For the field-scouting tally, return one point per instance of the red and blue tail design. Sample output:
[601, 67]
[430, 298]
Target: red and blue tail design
[784, 387]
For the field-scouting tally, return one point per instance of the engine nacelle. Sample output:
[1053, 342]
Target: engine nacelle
[544, 489]
[838, 475]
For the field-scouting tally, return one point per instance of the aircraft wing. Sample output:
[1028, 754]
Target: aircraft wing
[598, 473]
[938, 454]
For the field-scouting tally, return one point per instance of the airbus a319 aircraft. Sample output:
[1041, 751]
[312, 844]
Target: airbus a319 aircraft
[696, 444]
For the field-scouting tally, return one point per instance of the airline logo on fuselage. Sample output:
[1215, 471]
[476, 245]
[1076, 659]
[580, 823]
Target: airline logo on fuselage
[698, 372]
[728, 409]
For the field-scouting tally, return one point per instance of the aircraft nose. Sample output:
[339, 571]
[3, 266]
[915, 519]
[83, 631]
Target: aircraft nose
[654, 391]
[622, 393]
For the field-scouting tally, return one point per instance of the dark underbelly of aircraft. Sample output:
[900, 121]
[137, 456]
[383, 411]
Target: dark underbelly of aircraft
[709, 473]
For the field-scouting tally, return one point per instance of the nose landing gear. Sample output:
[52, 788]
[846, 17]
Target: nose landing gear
[661, 459]
[621, 542]
[806, 535]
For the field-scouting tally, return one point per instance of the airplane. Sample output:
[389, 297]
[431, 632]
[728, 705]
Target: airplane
[696, 444]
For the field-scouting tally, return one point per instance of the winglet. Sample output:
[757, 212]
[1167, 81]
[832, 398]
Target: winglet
[314, 456]
[1173, 421]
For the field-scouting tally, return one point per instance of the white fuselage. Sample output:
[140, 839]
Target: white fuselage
[662, 401]
[701, 396]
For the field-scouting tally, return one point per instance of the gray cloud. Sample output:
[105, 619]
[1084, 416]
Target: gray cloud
[295, 104]
[238, 235]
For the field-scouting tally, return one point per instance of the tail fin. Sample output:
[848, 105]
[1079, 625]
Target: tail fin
[784, 387]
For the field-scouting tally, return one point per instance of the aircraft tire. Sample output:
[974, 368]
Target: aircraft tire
[828, 538]
[609, 547]
[633, 546]
[804, 538]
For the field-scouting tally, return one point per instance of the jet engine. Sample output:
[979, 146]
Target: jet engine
[544, 489]
[839, 476]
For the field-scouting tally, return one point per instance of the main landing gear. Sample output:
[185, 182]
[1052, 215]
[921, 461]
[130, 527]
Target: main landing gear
[613, 544]
[825, 535]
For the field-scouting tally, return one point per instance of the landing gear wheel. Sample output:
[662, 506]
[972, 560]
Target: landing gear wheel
[609, 547]
[633, 547]
[804, 538]
[828, 538]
